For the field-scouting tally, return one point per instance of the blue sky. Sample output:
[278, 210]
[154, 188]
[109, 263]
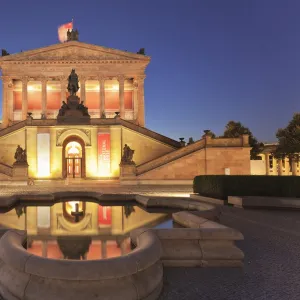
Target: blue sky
[211, 60]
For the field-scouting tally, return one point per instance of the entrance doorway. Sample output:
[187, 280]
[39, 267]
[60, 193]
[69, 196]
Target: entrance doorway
[73, 156]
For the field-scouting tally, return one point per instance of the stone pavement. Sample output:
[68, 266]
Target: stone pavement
[271, 247]
[158, 190]
[272, 262]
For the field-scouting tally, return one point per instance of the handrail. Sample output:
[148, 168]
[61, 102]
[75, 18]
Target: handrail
[6, 169]
[162, 160]
[95, 121]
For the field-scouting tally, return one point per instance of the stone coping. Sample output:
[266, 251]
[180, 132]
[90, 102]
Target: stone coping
[207, 199]
[136, 275]
[12, 253]
[256, 201]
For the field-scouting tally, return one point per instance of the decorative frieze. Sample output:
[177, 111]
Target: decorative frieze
[59, 132]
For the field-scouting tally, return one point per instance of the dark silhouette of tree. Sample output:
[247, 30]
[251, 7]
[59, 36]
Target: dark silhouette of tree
[236, 129]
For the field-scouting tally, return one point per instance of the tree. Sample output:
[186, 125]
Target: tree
[236, 129]
[289, 140]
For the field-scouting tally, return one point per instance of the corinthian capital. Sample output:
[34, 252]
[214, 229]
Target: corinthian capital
[121, 79]
[25, 79]
[7, 81]
[140, 78]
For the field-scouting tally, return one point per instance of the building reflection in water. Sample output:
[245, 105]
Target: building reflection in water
[80, 230]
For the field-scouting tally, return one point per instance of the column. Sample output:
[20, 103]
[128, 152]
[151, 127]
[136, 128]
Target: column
[10, 102]
[102, 96]
[63, 87]
[24, 98]
[294, 167]
[82, 89]
[123, 247]
[44, 248]
[44, 98]
[141, 111]
[103, 249]
[135, 99]
[6, 85]
[267, 158]
[121, 96]
[279, 161]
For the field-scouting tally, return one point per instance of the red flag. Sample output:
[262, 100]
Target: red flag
[62, 31]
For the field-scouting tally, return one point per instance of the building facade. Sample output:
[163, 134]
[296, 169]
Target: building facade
[269, 165]
[112, 88]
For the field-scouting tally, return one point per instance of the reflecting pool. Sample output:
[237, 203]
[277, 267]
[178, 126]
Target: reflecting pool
[81, 230]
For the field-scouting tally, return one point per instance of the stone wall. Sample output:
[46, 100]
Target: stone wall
[258, 167]
[146, 148]
[236, 159]
[213, 159]
[9, 145]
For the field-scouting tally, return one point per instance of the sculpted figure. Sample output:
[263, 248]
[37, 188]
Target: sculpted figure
[68, 35]
[20, 155]
[127, 155]
[73, 85]
[83, 108]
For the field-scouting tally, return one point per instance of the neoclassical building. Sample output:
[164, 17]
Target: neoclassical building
[112, 88]
[269, 165]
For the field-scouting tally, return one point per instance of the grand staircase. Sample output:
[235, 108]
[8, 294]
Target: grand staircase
[169, 157]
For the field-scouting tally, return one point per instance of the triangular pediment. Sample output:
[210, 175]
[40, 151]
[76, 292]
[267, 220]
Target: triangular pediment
[74, 51]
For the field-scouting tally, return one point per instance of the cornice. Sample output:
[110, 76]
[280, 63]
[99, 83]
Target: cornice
[65, 62]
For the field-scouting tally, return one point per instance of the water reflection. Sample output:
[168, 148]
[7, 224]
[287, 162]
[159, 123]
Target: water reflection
[81, 230]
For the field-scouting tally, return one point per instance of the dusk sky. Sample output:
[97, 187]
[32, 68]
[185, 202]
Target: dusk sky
[211, 60]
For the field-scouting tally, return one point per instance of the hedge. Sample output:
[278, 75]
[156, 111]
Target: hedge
[222, 186]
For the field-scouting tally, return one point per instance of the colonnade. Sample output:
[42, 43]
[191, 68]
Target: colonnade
[280, 170]
[8, 87]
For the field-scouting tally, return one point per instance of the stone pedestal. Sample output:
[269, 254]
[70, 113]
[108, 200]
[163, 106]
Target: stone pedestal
[20, 171]
[127, 171]
[73, 112]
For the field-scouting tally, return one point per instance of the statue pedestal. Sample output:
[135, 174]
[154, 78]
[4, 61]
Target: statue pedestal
[127, 171]
[73, 112]
[20, 171]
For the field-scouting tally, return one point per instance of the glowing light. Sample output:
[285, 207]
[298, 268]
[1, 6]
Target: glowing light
[73, 205]
[104, 169]
[115, 87]
[74, 148]
[43, 154]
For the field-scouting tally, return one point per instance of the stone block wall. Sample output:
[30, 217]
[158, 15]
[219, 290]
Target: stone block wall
[209, 160]
[9, 144]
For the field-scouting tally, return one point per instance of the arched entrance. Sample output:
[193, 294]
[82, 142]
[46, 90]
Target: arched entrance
[73, 157]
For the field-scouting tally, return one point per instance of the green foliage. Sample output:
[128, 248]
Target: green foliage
[236, 129]
[289, 139]
[222, 186]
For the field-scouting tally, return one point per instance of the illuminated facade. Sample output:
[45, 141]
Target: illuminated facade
[34, 88]
[269, 165]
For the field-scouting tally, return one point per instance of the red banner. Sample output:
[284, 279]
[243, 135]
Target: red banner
[62, 31]
[104, 215]
[104, 154]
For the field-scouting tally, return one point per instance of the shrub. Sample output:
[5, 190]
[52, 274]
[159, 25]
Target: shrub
[222, 186]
